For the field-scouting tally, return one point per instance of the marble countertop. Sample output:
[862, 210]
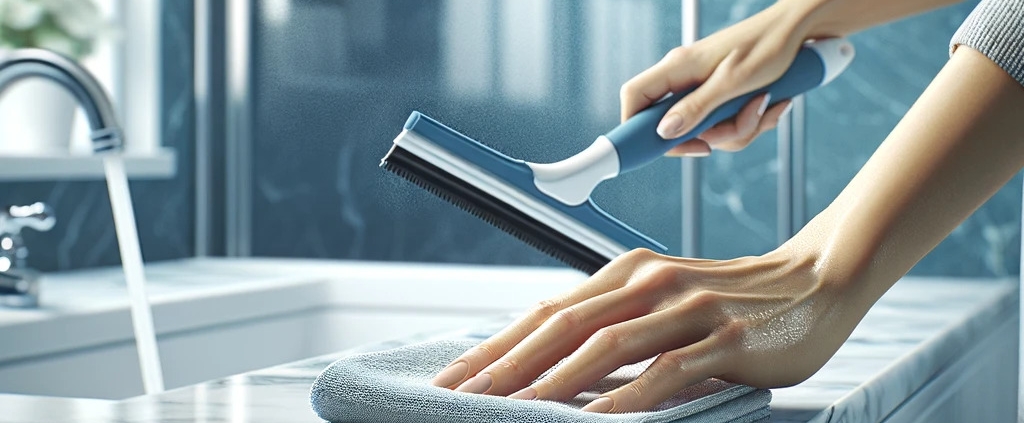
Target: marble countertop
[915, 330]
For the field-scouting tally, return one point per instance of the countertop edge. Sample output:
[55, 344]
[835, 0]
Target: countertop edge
[936, 354]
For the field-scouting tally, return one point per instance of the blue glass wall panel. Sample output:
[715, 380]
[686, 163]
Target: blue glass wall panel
[738, 190]
[539, 80]
[536, 79]
[849, 119]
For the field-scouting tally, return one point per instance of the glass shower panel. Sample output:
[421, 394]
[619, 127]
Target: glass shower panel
[335, 80]
[738, 190]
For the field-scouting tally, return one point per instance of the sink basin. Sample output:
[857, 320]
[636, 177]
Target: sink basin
[219, 317]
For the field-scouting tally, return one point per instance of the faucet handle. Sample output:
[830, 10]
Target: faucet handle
[13, 252]
[13, 284]
[38, 216]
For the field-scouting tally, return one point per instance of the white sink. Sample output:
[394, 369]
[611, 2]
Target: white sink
[218, 317]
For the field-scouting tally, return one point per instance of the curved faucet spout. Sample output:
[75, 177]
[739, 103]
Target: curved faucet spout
[25, 63]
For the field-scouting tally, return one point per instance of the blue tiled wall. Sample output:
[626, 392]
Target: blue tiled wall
[84, 234]
[538, 80]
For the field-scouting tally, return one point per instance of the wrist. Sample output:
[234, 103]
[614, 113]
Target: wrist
[807, 18]
[838, 18]
[842, 267]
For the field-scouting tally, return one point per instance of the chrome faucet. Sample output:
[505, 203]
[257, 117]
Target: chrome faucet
[19, 286]
[19, 64]
[106, 137]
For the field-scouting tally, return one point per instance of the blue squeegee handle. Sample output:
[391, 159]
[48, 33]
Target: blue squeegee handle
[637, 142]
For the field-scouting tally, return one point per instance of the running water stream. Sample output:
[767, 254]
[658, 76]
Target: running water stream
[134, 273]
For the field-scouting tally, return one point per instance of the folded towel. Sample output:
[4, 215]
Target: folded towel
[393, 386]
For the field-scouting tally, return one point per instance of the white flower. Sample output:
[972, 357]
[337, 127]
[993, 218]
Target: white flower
[80, 18]
[21, 14]
[71, 27]
[55, 41]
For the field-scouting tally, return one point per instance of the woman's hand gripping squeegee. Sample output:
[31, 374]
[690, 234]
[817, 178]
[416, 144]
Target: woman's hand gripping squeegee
[548, 205]
[636, 142]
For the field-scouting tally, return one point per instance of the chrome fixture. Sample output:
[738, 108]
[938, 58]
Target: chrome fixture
[19, 64]
[19, 286]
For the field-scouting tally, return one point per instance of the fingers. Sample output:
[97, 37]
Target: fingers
[609, 278]
[768, 121]
[744, 125]
[487, 351]
[721, 86]
[735, 134]
[692, 148]
[482, 355]
[752, 121]
[667, 375]
[721, 67]
[562, 334]
[681, 68]
[614, 346]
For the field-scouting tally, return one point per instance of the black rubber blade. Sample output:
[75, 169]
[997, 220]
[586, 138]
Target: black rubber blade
[492, 210]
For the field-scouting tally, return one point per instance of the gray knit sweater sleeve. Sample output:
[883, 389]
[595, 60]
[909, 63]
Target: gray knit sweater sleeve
[996, 29]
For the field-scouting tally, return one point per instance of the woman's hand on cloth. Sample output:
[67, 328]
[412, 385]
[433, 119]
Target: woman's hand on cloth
[762, 321]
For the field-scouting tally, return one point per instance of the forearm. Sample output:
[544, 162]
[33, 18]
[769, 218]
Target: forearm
[830, 18]
[960, 142]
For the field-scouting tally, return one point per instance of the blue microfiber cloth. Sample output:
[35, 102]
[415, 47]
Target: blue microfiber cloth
[393, 386]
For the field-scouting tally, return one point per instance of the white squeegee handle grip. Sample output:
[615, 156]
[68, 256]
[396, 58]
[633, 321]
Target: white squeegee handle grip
[637, 142]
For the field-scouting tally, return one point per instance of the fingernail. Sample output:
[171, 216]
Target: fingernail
[702, 153]
[451, 375]
[764, 104]
[785, 112]
[600, 405]
[670, 126]
[525, 394]
[477, 385]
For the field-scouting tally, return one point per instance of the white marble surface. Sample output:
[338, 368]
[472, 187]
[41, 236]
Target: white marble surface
[914, 331]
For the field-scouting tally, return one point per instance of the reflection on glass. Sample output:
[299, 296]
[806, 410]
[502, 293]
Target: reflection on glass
[468, 47]
[621, 41]
[526, 53]
[277, 12]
